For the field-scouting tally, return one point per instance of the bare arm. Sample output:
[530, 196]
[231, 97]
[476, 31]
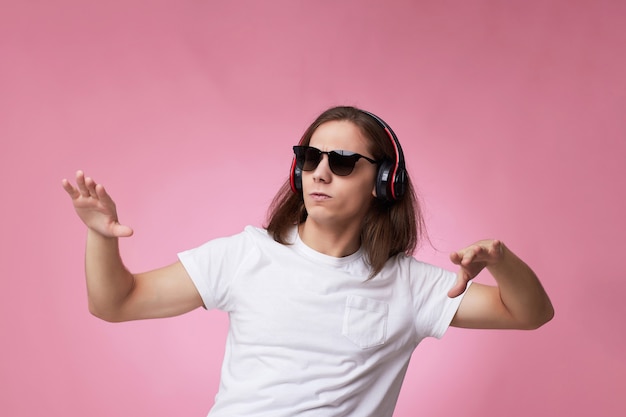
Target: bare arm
[517, 302]
[114, 293]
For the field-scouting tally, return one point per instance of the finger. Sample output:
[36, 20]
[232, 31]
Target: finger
[103, 196]
[491, 252]
[121, 230]
[101, 193]
[498, 248]
[459, 286]
[456, 257]
[477, 253]
[91, 186]
[80, 183]
[469, 255]
[464, 257]
[70, 189]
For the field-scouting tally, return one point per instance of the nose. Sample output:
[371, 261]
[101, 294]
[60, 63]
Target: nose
[322, 172]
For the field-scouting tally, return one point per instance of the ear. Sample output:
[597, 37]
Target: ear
[374, 191]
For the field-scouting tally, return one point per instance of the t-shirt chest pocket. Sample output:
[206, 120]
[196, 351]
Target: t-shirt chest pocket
[365, 321]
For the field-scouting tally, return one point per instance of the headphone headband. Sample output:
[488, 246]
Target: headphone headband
[391, 179]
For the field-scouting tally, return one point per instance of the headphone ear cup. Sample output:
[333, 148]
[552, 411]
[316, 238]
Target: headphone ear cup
[399, 183]
[295, 178]
[388, 188]
[382, 181]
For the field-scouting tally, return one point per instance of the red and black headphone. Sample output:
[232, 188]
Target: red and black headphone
[391, 177]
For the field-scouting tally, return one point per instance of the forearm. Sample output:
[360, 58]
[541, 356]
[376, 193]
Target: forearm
[520, 291]
[108, 281]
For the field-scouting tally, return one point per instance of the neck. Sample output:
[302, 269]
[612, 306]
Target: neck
[330, 240]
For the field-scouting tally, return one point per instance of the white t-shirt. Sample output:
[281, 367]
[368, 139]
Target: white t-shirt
[309, 334]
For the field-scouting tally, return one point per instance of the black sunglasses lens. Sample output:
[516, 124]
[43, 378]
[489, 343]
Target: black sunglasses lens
[307, 158]
[342, 165]
[311, 158]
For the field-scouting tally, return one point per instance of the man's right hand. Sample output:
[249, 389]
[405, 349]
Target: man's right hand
[95, 207]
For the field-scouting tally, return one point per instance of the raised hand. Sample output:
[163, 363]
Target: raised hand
[95, 207]
[473, 259]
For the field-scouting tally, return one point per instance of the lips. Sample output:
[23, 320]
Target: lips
[319, 196]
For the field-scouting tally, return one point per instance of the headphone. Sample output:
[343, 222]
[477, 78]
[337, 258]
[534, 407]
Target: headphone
[391, 177]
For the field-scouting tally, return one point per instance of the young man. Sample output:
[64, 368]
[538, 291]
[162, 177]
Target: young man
[326, 304]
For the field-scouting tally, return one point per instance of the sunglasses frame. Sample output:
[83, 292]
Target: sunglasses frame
[337, 159]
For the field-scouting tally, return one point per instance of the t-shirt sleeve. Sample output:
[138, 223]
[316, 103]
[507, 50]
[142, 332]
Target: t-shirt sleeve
[213, 266]
[434, 309]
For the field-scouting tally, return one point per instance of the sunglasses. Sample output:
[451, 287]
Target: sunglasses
[341, 162]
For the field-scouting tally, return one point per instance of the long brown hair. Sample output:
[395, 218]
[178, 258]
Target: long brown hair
[389, 228]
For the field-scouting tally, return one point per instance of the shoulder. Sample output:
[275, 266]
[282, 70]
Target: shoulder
[257, 233]
[262, 237]
[406, 266]
[421, 277]
[227, 246]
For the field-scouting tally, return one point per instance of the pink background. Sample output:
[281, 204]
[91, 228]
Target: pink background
[511, 114]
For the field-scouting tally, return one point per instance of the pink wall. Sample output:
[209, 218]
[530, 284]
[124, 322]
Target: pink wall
[511, 114]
